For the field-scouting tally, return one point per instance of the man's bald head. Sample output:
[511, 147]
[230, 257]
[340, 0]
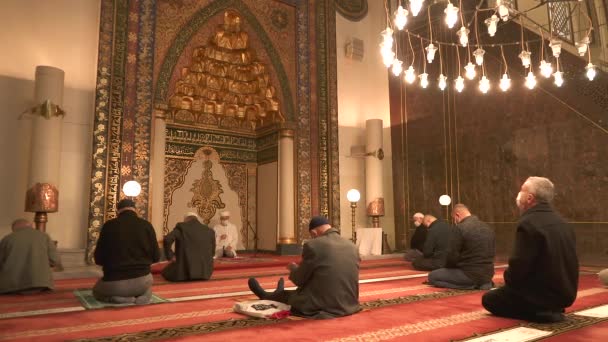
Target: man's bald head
[21, 223]
[428, 220]
[460, 212]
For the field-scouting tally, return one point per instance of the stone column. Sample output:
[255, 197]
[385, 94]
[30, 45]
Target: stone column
[42, 196]
[157, 173]
[287, 243]
[373, 171]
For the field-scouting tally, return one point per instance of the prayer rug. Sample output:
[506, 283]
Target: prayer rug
[89, 302]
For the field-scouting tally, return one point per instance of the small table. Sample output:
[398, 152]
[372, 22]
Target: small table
[369, 241]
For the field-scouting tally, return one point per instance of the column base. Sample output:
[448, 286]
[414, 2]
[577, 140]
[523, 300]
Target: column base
[289, 249]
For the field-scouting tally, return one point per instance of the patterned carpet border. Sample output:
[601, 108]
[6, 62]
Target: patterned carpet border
[204, 328]
[572, 322]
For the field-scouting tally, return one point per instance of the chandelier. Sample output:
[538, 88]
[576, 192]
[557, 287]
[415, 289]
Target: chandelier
[462, 24]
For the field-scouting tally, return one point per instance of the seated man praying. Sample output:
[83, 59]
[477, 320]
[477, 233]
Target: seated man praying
[470, 261]
[327, 278]
[226, 237]
[194, 250]
[26, 258]
[435, 250]
[125, 249]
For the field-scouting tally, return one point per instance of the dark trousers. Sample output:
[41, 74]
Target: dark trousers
[426, 264]
[506, 303]
[452, 278]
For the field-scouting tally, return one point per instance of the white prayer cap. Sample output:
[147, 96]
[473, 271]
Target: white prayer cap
[421, 215]
[189, 214]
[225, 213]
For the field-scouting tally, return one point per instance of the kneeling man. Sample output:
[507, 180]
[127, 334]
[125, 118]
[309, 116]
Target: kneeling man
[542, 277]
[327, 278]
[126, 248]
[435, 250]
[470, 262]
[194, 250]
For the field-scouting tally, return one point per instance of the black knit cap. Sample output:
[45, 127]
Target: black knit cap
[317, 221]
[125, 203]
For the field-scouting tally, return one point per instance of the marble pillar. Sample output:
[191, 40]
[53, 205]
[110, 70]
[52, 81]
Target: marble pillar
[287, 242]
[157, 174]
[374, 192]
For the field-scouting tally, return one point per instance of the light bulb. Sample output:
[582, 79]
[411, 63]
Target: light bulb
[492, 22]
[451, 15]
[401, 17]
[442, 81]
[505, 82]
[424, 80]
[396, 69]
[590, 71]
[387, 36]
[556, 47]
[416, 6]
[525, 58]
[131, 188]
[470, 71]
[503, 11]
[410, 75]
[430, 52]
[484, 84]
[478, 54]
[388, 56]
[558, 78]
[463, 35]
[546, 69]
[530, 80]
[459, 84]
[353, 195]
[582, 46]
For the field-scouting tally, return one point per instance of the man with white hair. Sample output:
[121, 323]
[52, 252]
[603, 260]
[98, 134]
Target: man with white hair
[26, 258]
[418, 238]
[542, 277]
[226, 237]
[194, 250]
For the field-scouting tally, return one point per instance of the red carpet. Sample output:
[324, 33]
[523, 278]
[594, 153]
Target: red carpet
[397, 309]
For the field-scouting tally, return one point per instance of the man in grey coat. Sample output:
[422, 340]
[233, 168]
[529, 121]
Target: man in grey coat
[327, 278]
[194, 250]
[26, 258]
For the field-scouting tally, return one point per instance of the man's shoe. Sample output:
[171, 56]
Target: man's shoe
[549, 317]
[255, 287]
[280, 285]
[486, 286]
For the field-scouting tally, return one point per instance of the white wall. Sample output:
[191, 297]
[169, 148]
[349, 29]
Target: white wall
[362, 95]
[63, 34]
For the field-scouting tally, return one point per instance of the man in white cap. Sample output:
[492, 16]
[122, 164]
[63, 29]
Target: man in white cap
[194, 250]
[226, 237]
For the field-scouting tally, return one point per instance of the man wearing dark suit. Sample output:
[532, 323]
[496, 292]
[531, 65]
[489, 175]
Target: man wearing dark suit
[470, 261]
[126, 248]
[194, 250]
[435, 250]
[542, 277]
[418, 238]
[327, 278]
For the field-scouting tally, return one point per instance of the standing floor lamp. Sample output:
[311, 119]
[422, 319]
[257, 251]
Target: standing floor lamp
[353, 197]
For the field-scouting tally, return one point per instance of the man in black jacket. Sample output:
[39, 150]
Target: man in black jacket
[194, 250]
[125, 249]
[418, 238]
[470, 262]
[435, 250]
[542, 277]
